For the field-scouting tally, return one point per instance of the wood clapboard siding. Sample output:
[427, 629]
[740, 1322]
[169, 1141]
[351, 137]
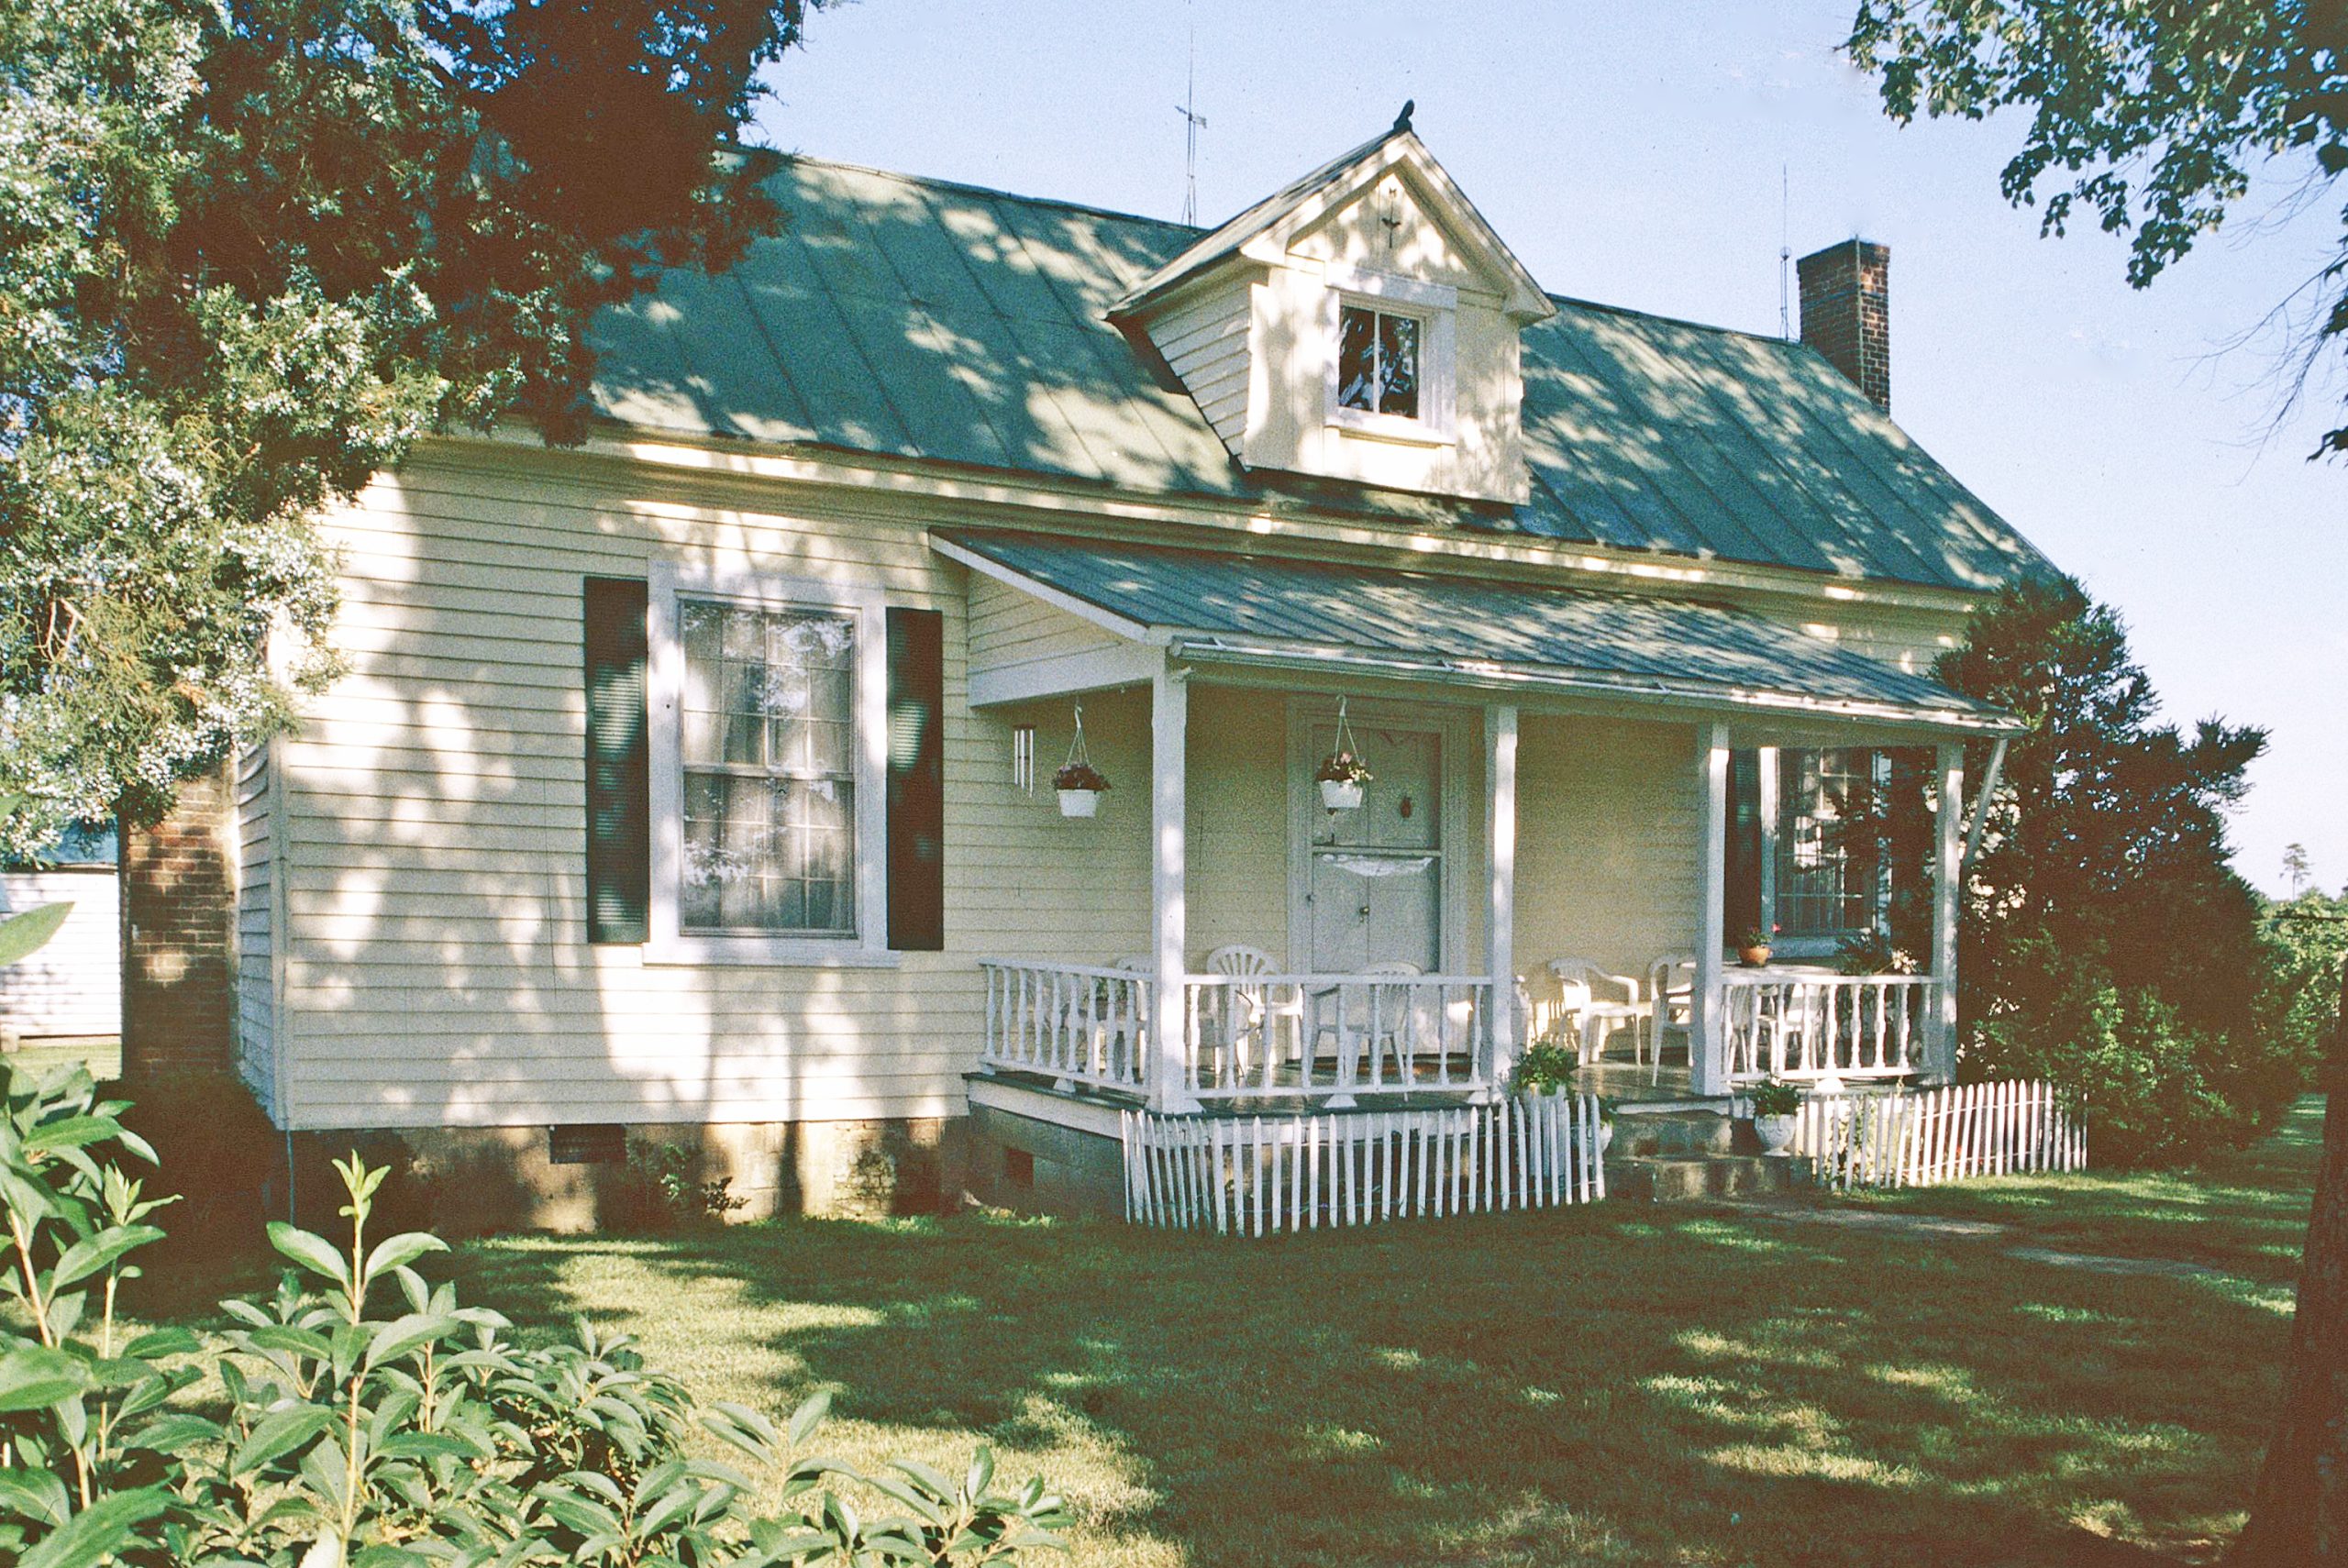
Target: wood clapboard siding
[73, 985]
[437, 966]
[1608, 818]
[1205, 342]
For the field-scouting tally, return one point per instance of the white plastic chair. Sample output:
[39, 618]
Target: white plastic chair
[1671, 987]
[1251, 1013]
[1597, 1017]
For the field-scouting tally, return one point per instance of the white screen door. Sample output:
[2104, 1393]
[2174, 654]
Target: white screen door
[1375, 895]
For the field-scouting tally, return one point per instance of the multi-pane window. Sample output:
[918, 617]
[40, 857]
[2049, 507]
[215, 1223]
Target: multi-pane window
[1826, 873]
[768, 744]
[1377, 362]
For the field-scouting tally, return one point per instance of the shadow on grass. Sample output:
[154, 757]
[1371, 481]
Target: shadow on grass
[1610, 1385]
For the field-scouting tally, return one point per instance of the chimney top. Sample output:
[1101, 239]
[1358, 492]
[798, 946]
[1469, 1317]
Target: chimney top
[1846, 312]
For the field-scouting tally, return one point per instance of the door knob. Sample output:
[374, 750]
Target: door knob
[1364, 912]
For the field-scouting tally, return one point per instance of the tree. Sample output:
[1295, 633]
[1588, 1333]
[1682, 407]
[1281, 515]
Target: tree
[2106, 941]
[2149, 114]
[250, 252]
[2295, 869]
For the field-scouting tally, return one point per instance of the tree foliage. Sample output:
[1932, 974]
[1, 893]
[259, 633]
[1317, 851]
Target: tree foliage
[366, 1416]
[2151, 116]
[2106, 941]
[249, 253]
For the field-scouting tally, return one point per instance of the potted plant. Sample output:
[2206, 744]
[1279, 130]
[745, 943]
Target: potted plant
[1342, 776]
[1547, 1067]
[1775, 1114]
[1752, 946]
[1081, 788]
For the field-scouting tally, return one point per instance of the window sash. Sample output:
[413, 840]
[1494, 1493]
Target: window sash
[1380, 361]
[768, 770]
[1822, 888]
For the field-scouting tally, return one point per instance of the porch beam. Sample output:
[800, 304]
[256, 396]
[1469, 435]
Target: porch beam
[1707, 1030]
[1948, 871]
[1065, 675]
[1169, 768]
[1500, 845]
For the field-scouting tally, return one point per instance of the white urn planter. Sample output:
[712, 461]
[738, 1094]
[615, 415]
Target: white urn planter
[1341, 794]
[1079, 803]
[1775, 1133]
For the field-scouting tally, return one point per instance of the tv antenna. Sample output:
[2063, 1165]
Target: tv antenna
[1785, 255]
[1192, 124]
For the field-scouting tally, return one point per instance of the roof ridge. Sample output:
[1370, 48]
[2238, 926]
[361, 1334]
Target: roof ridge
[1608, 309]
[937, 182]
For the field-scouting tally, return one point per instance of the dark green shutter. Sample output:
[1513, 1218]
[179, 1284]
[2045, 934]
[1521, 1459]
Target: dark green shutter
[619, 779]
[916, 780]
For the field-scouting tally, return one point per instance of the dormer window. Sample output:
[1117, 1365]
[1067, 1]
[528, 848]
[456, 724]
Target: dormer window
[1377, 362]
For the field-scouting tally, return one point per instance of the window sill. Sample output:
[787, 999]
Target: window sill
[1389, 427]
[755, 952]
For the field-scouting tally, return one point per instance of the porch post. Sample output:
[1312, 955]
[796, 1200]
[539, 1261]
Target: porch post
[1168, 764]
[1499, 844]
[1948, 871]
[1707, 1028]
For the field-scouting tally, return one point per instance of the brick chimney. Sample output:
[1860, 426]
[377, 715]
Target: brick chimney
[1846, 312]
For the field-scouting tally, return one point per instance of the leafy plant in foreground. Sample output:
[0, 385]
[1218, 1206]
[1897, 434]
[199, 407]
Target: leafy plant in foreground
[366, 1417]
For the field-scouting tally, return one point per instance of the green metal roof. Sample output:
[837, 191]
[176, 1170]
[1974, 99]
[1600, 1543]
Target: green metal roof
[1214, 607]
[920, 319]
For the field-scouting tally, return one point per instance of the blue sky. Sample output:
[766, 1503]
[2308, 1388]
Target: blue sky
[1633, 155]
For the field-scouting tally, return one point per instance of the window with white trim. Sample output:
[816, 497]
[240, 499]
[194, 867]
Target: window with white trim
[1377, 360]
[768, 770]
[768, 755]
[1827, 876]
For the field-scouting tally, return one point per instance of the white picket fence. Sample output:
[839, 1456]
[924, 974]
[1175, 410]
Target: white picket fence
[1926, 1137]
[1256, 1175]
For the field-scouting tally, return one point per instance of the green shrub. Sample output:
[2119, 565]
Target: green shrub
[661, 1190]
[416, 1436]
[2156, 1089]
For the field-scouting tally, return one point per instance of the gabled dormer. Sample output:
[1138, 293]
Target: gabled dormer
[1360, 325]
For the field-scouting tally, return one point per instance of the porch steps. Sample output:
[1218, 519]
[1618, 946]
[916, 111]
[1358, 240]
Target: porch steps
[1686, 1154]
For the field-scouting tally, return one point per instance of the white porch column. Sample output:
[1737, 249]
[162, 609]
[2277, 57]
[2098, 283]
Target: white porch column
[1168, 766]
[1948, 871]
[1499, 844]
[1707, 1029]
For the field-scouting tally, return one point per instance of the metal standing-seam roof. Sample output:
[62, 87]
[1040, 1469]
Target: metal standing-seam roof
[920, 319]
[1213, 607]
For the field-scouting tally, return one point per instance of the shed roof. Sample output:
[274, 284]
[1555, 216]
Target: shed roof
[921, 319]
[1215, 607]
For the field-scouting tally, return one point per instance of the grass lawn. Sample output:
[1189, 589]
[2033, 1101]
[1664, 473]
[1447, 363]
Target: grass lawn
[1614, 1385]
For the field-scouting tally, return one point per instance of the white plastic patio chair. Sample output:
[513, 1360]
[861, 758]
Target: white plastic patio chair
[1251, 1014]
[1671, 987]
[1596, 1017]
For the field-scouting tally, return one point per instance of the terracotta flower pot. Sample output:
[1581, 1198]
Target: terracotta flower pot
[1753, 957]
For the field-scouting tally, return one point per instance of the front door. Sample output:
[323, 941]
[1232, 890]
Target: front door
[1376, 891]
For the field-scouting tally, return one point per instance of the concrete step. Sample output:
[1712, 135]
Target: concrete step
[1646, 1134]
[1680, 1179]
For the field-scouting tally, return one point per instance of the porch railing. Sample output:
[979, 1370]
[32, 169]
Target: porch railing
[1254, 1036]
[1332, 1036]
[1080, 1023]
[1810, 1026]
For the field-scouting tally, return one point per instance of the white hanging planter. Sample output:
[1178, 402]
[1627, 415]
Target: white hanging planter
[1078, 783]
[1343, 776]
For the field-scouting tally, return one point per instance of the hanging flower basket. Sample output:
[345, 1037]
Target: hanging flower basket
[1080, 788]
[1343, 775]
[1080, 783]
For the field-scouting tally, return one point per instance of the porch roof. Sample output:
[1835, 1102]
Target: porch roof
[1219, 608]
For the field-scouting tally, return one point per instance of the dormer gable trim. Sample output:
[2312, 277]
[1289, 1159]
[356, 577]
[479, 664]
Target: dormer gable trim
[1264, 233]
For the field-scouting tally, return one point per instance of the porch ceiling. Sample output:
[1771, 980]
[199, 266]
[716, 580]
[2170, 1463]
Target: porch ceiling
[1210, 608]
